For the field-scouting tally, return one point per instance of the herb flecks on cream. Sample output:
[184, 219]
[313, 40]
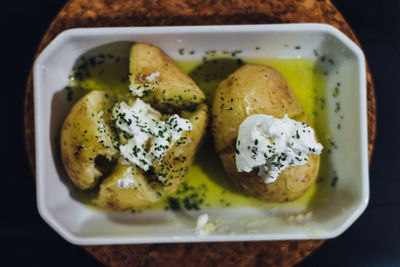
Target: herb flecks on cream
[141, 90]
[272, 144]
[144, 136]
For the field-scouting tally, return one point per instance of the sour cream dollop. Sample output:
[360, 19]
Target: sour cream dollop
[272, 145]
[144, 135]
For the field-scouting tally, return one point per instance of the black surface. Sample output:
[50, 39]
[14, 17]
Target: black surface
[373, 240]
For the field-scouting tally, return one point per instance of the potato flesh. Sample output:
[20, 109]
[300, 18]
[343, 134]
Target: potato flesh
[258, 89]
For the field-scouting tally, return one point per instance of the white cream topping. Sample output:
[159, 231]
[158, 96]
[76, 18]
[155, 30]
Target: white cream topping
[101, 127]
[146, 136]
[153, 76]
[126, 183]
[204, 227]
[272, 144]
[141, 90]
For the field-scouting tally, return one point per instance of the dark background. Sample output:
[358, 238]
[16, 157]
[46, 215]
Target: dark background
[374, 240]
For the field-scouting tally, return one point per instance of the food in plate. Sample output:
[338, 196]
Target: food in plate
[262, 135]
[133, 149]
[156, 78]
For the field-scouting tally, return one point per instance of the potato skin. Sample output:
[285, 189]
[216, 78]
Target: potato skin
[258, 89]
[80, 138]
[287, 186]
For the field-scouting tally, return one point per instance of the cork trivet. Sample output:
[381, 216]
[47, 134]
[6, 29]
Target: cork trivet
[107, 13]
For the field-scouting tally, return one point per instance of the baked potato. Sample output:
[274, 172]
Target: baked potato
[90, 140]
[156, 78]
[258, 89]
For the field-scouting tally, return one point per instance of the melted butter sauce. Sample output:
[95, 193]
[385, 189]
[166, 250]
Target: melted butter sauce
[207, 185]
[102, 72]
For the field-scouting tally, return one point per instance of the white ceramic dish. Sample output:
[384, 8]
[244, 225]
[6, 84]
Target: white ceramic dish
[82, 225]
